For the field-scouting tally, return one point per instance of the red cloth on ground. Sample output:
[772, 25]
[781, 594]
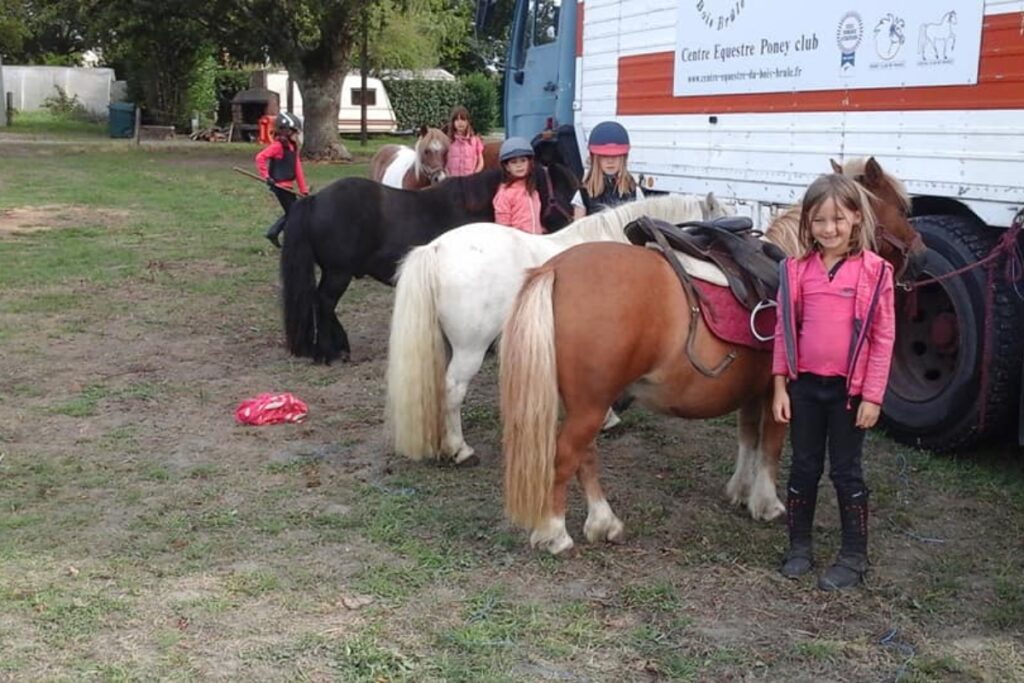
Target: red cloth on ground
[267, 409]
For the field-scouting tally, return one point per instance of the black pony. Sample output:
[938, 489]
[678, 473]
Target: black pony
[356, 227]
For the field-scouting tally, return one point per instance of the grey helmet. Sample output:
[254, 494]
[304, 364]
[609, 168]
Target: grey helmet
[288, 120]
[514, 147]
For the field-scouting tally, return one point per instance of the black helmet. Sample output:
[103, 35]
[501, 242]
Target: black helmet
[609, 138]
[288, 120]
[514, 147]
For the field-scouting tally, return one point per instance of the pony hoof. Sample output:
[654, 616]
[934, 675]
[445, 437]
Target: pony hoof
[472, 461]
[556, 545]
[767, 513]
[612, 531]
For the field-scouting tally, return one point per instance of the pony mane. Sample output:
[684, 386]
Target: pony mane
[856, 167]
[784, 232]
[434, 138]
[608, 225]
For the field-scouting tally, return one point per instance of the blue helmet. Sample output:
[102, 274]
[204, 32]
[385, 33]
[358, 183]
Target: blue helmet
[514, 147]
[609, 139]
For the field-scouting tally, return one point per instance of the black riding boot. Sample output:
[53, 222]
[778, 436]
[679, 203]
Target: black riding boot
[274, 230]
[852, 563]
[799, 559]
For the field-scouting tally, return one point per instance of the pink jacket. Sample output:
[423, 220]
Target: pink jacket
[516, 208]
[464, 154]
[874, 326]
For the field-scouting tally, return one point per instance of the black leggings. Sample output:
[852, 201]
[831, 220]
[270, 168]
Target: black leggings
[285, 197]
[820, 418]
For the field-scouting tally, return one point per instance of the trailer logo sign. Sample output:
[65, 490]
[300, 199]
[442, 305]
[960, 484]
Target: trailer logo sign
[849, 35]
[728, 47]
[890, 34]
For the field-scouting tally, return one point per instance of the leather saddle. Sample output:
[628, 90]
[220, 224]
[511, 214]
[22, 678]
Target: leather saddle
[750, 264]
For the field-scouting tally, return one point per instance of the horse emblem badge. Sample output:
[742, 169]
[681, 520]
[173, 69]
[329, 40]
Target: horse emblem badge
[889, 36]
[936, 42]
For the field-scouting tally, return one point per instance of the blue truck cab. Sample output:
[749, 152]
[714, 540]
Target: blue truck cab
[540, 77]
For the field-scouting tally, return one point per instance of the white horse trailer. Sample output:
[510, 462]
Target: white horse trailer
[751, 99]
[380, 117]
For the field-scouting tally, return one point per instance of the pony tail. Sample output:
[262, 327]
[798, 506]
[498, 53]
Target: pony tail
[298, 281]
[529, 400]
[416, 358]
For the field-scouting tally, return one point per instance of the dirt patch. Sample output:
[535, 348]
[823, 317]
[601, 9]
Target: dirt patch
[22, 220]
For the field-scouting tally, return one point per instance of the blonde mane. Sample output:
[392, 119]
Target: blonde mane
[609, 225]
[784, 232]
[435, 140]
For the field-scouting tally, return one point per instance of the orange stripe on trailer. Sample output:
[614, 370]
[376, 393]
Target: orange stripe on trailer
[645, 85]
[579, 29]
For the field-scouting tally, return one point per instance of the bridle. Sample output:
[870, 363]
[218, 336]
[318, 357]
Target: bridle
[552, 202]
[903, 248]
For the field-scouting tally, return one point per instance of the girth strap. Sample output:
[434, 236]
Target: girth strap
[695, 299]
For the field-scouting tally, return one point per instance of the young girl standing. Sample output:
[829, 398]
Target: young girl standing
[517, 202]
[833, 350]
[608, 181]
[279, 164]
[466, 154]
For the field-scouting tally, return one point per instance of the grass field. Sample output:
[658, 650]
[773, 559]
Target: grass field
[146, 536]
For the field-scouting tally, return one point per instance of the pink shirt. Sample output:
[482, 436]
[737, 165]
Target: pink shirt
[516, 208]
[826, 321]
[464, 154]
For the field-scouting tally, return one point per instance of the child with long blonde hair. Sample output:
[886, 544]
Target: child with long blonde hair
[833, 349]
[608, 182]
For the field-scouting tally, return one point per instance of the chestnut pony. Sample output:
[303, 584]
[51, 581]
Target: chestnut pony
[601, 319]
[412, 169]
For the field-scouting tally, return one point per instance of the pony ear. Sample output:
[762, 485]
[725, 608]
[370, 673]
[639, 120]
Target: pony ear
[873, 172]
[422, 132]
[836, 168]
[712, 202]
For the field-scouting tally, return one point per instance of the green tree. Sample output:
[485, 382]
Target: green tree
[160, 47]
[43, 31]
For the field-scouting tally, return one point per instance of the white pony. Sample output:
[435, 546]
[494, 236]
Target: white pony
[451, 300]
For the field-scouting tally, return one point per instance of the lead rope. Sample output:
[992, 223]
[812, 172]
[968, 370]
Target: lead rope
[1013, 271]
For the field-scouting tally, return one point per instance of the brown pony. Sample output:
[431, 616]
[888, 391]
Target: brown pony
[408, 169]
[602, 319]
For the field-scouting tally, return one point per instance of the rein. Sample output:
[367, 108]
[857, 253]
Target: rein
[903, 247]
[1013, 271]
[1007, 245]
[552, 202]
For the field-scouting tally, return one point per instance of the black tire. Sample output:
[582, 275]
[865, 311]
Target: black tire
[934, 399]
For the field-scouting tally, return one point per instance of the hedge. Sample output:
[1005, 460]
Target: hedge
[481, 99]
[418, 102]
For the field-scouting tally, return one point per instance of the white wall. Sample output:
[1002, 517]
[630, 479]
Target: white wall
[33, 84]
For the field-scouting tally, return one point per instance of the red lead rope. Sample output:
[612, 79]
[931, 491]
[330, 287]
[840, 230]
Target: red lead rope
[1013, 271]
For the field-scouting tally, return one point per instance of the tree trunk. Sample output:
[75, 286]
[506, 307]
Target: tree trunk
[321, 101]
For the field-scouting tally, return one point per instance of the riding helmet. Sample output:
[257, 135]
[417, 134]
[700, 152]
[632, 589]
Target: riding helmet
[288, 120]
[609, 139]
[514, 147]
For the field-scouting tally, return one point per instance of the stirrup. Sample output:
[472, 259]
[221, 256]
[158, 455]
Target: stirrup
[762, 305]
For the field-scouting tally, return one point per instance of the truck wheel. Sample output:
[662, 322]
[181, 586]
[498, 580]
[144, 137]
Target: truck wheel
[934, 397]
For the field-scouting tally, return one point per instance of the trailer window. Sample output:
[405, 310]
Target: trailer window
[357, 97]
[544, 20]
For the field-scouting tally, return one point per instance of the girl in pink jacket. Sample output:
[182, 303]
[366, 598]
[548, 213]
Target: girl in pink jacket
[517, 202]
[466, 154]
[833, 349]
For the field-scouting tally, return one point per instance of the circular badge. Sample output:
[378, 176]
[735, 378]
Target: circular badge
[850, 32]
